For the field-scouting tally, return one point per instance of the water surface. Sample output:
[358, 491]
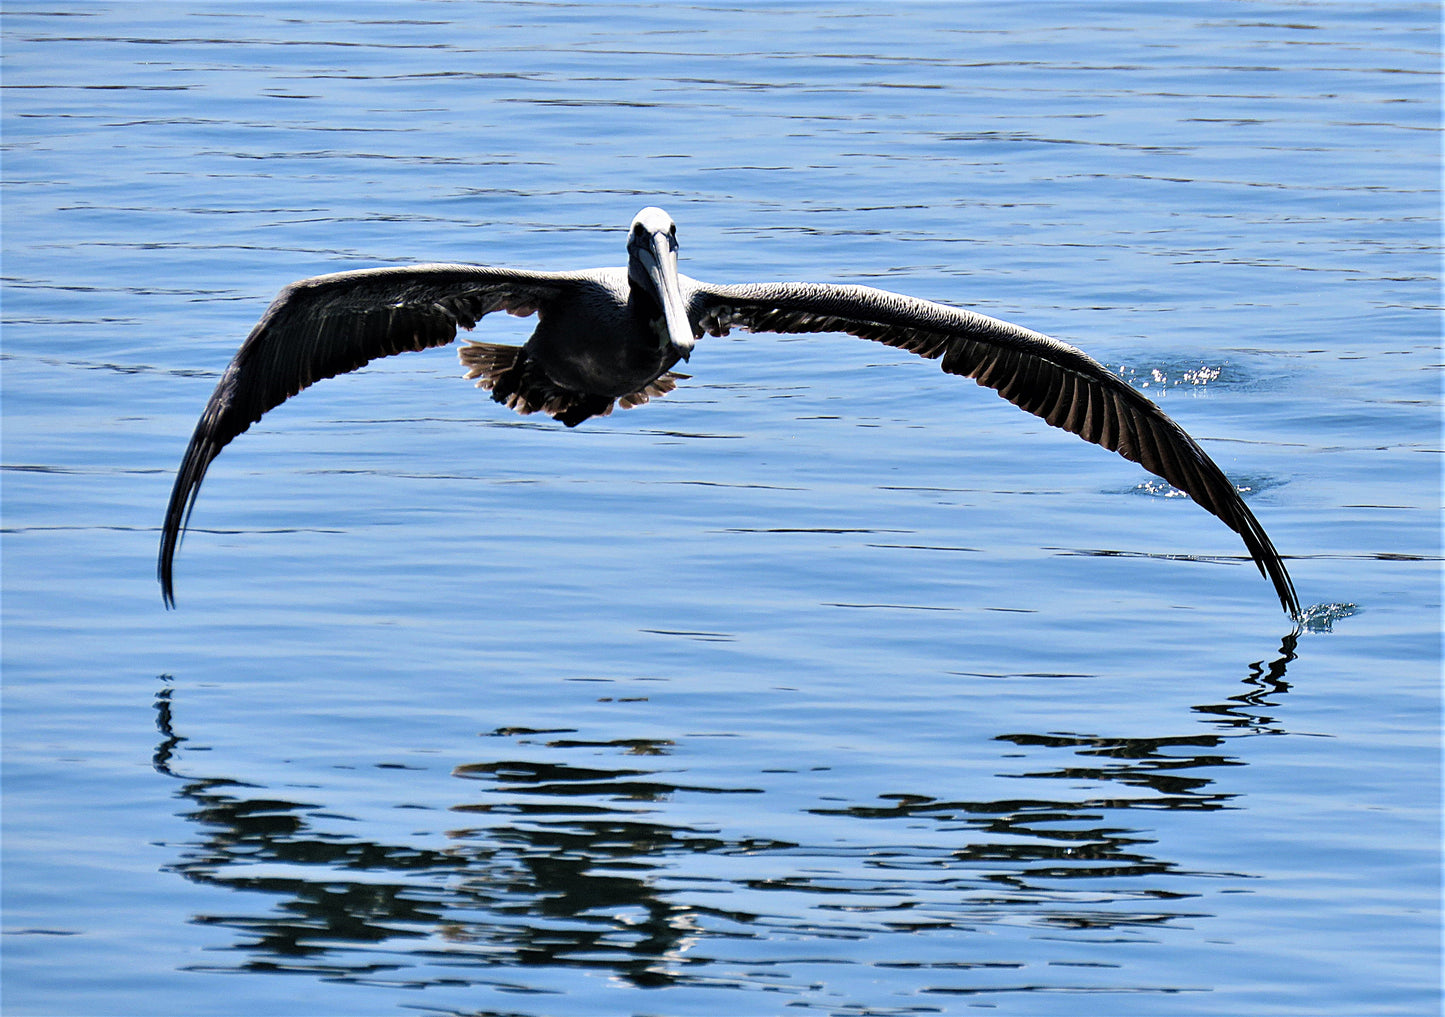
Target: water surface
[827, 683]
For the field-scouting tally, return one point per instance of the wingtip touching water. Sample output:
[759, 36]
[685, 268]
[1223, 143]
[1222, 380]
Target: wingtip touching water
[610, 337]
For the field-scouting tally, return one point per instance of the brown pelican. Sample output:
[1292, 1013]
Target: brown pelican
[611, 336]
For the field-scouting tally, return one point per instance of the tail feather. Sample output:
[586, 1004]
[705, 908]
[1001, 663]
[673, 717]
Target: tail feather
[488, 362]
[658, 388]
[518, 383]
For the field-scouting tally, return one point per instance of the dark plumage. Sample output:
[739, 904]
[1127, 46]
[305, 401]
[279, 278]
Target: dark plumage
[611, 336]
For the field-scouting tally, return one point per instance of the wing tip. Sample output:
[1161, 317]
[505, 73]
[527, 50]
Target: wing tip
[1268, 560]
[201, 452]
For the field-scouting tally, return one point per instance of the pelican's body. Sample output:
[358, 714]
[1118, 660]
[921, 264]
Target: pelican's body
[611, 336]
[594, 345]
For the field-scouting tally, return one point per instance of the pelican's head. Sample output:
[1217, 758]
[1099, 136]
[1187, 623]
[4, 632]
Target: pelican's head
[652, 270]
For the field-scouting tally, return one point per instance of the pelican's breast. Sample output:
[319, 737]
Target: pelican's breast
[591, 340]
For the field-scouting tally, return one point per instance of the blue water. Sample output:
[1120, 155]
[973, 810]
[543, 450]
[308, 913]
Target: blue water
[828, 683]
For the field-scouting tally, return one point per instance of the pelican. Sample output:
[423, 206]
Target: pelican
[611, 336]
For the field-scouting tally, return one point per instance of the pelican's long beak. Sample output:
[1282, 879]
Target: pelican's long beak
[655, 253]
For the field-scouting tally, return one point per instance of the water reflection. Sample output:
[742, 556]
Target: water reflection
[578, 853]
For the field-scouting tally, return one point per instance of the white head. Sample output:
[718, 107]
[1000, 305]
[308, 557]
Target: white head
[652, 270]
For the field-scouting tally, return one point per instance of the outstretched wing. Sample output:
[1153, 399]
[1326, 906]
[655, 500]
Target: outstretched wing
[1035, 372]
[318, 328]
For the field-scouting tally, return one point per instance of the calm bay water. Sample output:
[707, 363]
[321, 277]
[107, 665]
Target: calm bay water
[828, 683]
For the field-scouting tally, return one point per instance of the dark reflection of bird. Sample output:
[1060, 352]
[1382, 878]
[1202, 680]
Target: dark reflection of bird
[591, 854]
[611, 336]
